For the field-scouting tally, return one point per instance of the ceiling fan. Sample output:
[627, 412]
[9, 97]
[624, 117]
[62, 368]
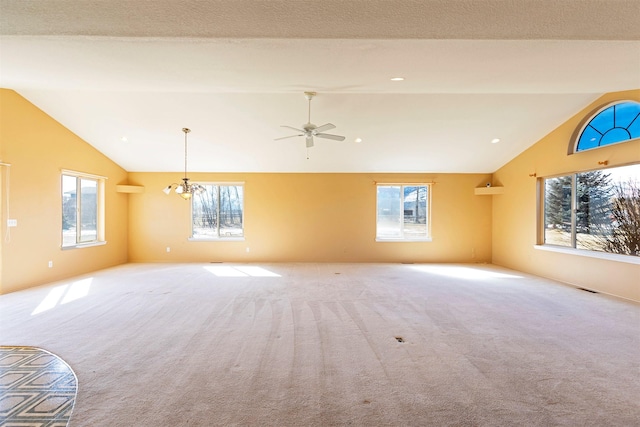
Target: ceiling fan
[309, 130]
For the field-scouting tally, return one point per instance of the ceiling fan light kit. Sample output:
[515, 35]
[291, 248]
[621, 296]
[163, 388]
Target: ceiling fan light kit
[309, 130]
[184, 189]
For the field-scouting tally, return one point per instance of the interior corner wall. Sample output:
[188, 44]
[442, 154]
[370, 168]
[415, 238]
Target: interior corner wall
[515, 211]
[38, 148]
[320, 217]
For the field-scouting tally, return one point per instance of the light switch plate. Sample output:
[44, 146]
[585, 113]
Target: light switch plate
[12, 223]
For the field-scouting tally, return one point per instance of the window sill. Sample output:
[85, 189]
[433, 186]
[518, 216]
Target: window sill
[404, 240]
[84, 245]
[216, 239]
[627, 259]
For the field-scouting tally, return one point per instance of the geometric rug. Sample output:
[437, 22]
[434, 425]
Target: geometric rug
[37, 388]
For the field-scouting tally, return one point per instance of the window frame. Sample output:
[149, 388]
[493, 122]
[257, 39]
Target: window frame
[573, 248]
[575, 139]
[100, 209]
[402, 185]
[219, 238]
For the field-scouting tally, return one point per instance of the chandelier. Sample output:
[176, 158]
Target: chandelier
[184, 189]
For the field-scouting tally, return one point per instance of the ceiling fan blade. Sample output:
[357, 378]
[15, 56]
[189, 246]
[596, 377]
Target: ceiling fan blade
[290, 136]
[290, 127]
[329, 136]
[323, 128]
[309, 141]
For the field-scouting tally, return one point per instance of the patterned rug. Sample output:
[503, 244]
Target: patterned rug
[37, 388]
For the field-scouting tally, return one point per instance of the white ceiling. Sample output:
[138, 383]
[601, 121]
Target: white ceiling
[234, 71]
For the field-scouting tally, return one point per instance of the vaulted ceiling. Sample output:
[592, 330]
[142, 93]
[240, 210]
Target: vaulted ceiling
[235, 71]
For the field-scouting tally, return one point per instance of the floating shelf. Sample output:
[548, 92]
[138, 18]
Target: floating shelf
[488, 191]
[129, 189]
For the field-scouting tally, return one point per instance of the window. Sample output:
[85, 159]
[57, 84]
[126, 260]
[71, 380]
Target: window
[403, 212]
[597, 210]
[82, 209]
[615, 123]
[218, 212]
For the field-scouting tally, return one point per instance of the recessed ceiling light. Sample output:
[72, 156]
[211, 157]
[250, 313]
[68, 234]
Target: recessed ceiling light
[397, 79]
[495, 140]
[124, 139]
[357, 140]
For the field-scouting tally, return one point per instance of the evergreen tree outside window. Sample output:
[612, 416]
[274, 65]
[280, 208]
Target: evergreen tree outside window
[619, 122]
[597, 210]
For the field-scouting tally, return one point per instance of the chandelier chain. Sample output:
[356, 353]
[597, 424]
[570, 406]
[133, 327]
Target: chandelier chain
[186, 131]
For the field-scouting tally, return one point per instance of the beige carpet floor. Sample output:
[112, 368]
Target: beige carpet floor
[334, 345]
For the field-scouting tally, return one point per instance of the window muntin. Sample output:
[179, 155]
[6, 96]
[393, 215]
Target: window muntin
[402, 212]
[82, 217]
[615, 123]
[596, 210]
[218, 212]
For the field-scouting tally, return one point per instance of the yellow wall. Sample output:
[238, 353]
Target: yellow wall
[288, 217]
[38, 148]
[514, 212]
[311, 218]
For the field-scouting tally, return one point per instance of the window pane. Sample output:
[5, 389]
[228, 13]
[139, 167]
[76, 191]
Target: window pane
[634, 127]
[218, 212]
[607, 216]
[415, 212]
[593, 217]
[626, 114]
[88, 210]
[603, 121]
[205, 212]
[231, 214]
[388, 212]
[557, 211]
[617, 123]
[68, 210]
[620, 230]
[590, 138]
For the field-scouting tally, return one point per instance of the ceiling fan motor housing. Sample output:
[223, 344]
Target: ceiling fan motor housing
[309, 130]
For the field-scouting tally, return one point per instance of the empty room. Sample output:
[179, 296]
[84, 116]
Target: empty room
[319, 213]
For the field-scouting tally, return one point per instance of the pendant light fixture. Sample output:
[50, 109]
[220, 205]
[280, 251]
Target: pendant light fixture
[184, 189]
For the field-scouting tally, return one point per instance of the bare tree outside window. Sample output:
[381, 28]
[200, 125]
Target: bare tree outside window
[596, 210]
[218, 212]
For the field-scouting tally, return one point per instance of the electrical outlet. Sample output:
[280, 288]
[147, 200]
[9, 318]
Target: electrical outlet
[247, 249]
[12, 223]
[168, 249]
[50, 264]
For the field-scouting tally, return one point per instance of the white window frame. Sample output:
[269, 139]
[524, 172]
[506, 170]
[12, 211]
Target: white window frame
[403, 238]
[573, 147]
[573, 249]
[100, 209]
[218, 237]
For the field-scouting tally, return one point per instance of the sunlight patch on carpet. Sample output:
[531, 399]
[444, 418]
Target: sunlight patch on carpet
[468, 273]
[240, 271]
[64, 294]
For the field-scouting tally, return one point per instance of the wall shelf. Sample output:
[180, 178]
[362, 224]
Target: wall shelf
[129, 189]
[488, 191]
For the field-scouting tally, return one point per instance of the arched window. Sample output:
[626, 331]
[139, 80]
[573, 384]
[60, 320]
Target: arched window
[617, 122]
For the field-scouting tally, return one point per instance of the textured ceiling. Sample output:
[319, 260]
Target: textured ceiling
[234, 71]
[309, 19]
